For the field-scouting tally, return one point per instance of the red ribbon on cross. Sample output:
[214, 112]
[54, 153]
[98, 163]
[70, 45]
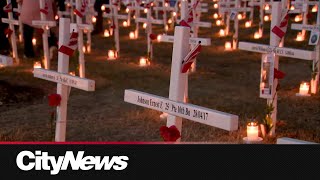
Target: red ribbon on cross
[190, 58]
[82, 10]
[280, 30]
[8, 32]
[71, 46]
[7, 8]
[45, 9]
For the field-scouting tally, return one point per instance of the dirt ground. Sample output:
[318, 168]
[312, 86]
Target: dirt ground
[225, 81]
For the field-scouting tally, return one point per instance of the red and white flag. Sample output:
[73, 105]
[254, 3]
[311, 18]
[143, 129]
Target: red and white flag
[82, 10]
[280, 30]
[72, 45]
[190, 58]
[189, 19]
[45, 9]
[7, 8]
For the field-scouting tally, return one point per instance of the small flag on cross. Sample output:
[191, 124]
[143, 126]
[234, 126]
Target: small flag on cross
[280, 30]
[7, 8]
[45, 9]
[72, 45]
[190, 58]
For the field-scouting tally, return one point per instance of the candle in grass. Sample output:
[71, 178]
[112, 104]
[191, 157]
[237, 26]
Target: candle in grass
[314, 8]
[222, 32]
[215, 16]
[227, 46]
[240, 16]
[106, 33]
[159, 38]
[266, 18]
[103, 8]
[34, 41]
[37, 64]
[145, 10]
[218, 22]
[131, 35]
[304, 89]
[252, 131]
[143, 62]
[248, 24]
[215, 6]
[256, 35]
[112, 54]
[267, 7]
[299, 37]
[144, 25]
[125, 24]
[292, 7]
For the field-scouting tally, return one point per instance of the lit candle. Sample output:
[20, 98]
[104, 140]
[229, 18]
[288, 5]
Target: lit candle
[166, 4]
[94, 19]
[159, 38]
[256, 35]
[215, 16]
[222, 32]
[56, 17]
[266, 18]
[127, 10]
[84, 49]
[299, 37]
[169, 21]
[37, 64]
[298, 18]
[145, 10]
[218, 22]
[248, 24]
[215, 6]
[131, 35]
[34, 41]
[106, 33]
[239, 16]
[72, 73]
[143, 62]
[103, 8]
[88, 49]
[144, 25]
[112, 55]
[174, 14]
[227, 46]
[304, 89]
[252, 131]
[166, 28]
[314, 8]
[292, 7]
[267, 7]
[125, 24]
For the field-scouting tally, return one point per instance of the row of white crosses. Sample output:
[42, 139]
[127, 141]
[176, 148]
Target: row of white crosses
[174, 105]
[262, 7]
[18, 11]
[270, 58]
[114, 5]
[165, 8]
[304, 7]
[45, 25]
[6, 60]
[62, 77]
[314, 40]
[232, 14]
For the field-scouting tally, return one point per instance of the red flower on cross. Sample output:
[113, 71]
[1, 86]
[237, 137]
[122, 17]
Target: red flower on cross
[278, 74]
[153, 36]
[169, 133]
[54, 100]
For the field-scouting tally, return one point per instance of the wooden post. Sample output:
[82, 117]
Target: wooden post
[149, 31]
[178, 79]
[137, 14]
[274, 41]
[45, 38]
[316, 62]
[262, 2]
[63, 90]
[236, 27]
[114, 10]
[82, 67]
[194, 33]
[13, 36]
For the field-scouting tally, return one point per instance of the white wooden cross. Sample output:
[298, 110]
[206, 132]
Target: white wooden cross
[18, 11]
[80, 27]
[135, 6]
[64, 80]
[149, 20]
[11, 21]
[45, 25]
[114, 16]
[270, 57]
[233, 11]
[174, 105]
[316, 61]
[165, 8]
[90, 13]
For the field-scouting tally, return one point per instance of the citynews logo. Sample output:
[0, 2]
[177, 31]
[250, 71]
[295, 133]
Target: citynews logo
[27, 160]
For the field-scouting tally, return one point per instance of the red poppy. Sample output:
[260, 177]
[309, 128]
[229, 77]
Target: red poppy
[107, 10]
[278, 74]
[39, 31]
[161, 12]
[153, 36]
[8, 32]
[169, 134]
[113, 27]
[54, 100]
